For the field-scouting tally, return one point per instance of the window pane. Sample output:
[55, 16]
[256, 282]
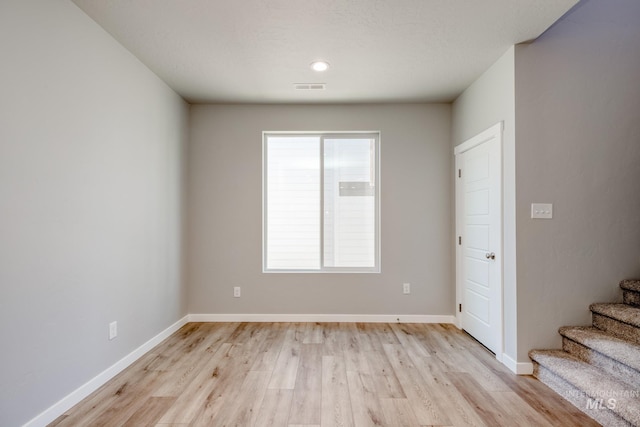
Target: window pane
[293, 202]
[349, 202]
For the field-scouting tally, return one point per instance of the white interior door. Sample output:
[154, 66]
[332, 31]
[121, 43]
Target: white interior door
[479, 228]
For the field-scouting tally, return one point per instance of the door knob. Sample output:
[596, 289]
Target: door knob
[491, 255]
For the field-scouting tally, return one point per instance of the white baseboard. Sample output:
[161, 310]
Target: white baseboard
[518, 368]
[348, 318]
[92, 385]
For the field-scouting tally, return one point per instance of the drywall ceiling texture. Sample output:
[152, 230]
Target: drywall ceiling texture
[380, 51]
[90, 199]
[225, 213]
[578, 147]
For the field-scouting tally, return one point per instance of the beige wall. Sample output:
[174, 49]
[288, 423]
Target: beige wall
[90, 199]
[578, 147]
[489, 100]
[225, 213]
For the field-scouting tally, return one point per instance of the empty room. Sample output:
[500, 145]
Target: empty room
[319, 213]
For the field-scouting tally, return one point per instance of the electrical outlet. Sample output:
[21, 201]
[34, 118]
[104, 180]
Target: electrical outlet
[236, 291]
[406, 288]
[113, 330]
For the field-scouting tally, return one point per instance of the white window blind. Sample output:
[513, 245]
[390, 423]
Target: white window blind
[321, 202]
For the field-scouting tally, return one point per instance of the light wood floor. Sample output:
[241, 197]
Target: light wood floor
[321, 374]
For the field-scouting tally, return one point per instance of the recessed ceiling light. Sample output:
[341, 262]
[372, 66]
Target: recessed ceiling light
[319, 66]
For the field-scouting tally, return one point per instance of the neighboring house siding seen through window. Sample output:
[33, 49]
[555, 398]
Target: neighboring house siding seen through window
[321, 202]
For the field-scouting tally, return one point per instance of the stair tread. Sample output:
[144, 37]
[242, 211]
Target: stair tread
[630, 285]
[623, 351]
[622, 312]
[591, 381]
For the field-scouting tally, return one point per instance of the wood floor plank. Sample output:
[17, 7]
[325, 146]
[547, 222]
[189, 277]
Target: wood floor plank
[376, 361]
[399, 410]
[356, 361]
[190, 403]
[250, 334]
[231, 379]
[286, 366]
[449, 399]
[180, 348]
[348, 374]
[275, 408]
[421, 399]
[334, 338]
[409, 341]
[454, 337]
[266, 359]
[384, 376]
[545, 401]
[307, 395]
[172, 425]
[175, 347]
[486, 407]
[118, 399]
[242, 407]
[463, 339]
[384, 332]
[364, 401]
[517, 411]
[432, 339]
[239, 334]
[336, 402]
[366, 339]
[150, 412]
[351, 337]
[424, 333]
[313, 334]
[481, 374]
[187, 366]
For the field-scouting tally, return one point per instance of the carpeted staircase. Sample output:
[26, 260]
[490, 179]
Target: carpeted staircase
[598, 368]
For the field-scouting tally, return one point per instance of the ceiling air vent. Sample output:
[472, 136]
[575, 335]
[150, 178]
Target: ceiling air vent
[309, 86]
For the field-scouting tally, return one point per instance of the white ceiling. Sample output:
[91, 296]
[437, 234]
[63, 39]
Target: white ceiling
[254, 51]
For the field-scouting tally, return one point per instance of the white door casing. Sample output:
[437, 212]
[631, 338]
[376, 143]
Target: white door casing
[479, 237]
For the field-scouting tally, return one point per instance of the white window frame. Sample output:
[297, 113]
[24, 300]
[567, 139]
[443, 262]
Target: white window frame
[376, 136]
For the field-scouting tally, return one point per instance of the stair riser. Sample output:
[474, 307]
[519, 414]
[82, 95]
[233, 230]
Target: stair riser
[631, 298]
[613, 367]
[581, 401]
[618, 329]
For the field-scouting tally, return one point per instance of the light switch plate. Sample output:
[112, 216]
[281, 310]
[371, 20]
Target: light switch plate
[542, 210]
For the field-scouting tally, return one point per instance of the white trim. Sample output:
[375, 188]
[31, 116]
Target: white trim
[518, 368]
[458, 227]
[493, 132]
[347, 318]
[376, 136]
[92, 385]
[480, 138]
